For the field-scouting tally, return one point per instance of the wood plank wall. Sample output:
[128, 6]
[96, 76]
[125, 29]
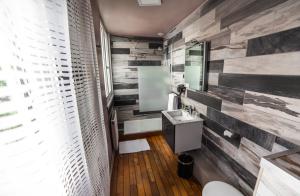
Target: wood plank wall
[254, 83]
[127, 55]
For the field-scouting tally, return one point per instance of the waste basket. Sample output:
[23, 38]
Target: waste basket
[185, 166]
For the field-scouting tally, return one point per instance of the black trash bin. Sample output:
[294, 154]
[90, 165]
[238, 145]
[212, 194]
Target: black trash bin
[185, 166]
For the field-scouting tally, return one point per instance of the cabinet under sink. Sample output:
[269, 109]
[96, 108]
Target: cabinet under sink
[182, 131]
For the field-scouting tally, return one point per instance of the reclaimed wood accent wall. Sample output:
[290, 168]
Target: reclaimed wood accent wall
[127, 54]
[254, 84]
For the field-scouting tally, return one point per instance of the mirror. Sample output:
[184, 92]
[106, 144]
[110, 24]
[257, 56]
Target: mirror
[195, 75]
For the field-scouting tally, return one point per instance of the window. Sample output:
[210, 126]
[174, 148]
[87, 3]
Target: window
[106, 60]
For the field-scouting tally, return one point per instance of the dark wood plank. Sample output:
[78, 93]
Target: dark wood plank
[153, 175]
[235, 139]
[113, 187]
[155, 45]
[284, 41]
[125, 97]
[126, 173]
[260, 137]
[162, 171]
[287, 86]
[139, 179]
[215, 66]
[248, 10]
[178, 68]
[172, 166]
[144, 63]
[124, 102]
[120, 180]
[176, 187]
[132, 178]
[145, 177]
[120, 51]
[285, 143]
[162, 182]
[205, 99]
[126, 86]
[229, 94]
[138, 112]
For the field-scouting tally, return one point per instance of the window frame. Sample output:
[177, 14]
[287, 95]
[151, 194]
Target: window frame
[106, 61]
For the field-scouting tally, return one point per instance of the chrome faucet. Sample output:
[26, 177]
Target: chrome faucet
[190, 109]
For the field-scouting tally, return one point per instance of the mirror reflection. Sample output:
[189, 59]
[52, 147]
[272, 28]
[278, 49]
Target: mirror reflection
[195, 66]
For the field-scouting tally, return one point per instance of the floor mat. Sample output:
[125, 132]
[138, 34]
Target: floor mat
[132, 146]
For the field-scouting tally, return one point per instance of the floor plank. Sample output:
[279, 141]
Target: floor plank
[152, 173]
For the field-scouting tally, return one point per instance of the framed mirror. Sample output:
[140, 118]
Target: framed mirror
[195, 68]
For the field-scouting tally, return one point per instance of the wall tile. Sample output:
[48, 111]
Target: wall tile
[235, 139]
[178, 68]
[126, 86]
[282, 17]
[144, 63]
[275, 64]
[252, 133]
[250, 9]
[270, 84]
[276, 105]
[155, 45]
[281, 127]
[229, 94]
[209, 5]
[175, 38]
[120, 51]
[239, 170]
[215, 66]
[284, 41]
[205, 99]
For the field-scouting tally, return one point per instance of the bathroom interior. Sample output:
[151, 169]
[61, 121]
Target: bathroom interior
[150, 97]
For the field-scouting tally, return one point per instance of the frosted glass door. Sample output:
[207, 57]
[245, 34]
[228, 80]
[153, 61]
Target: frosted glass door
[153, 88]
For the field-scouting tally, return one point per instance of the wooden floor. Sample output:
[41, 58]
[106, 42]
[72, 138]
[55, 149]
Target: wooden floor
[151, 172]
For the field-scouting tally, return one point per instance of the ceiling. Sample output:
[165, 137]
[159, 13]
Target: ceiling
[126, 18]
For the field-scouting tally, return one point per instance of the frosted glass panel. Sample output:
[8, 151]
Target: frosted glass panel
[193, 81]
[153, 88]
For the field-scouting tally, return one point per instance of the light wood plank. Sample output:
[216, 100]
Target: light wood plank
[120, 185]
[274, 64]
[126, 176]
[132, 178]
[144, 174]
[139, 180]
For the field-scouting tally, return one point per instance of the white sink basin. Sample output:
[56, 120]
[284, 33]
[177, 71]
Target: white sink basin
[182, 131]
[180, 116]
